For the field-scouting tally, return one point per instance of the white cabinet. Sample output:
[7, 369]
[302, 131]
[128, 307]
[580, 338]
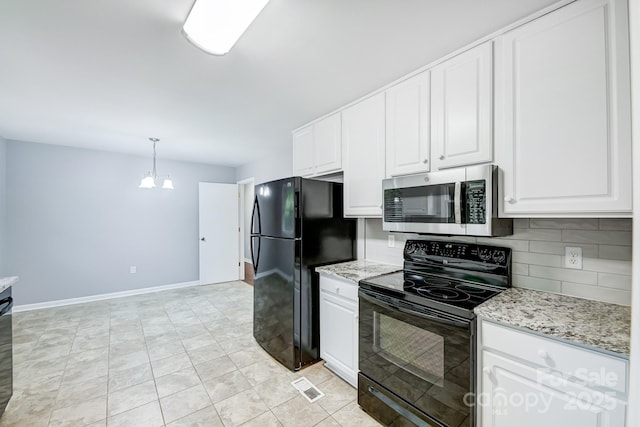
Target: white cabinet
[407, 126]
[563, 113]
[317, 148]
[461, 109]
[339, 326]
[528, 380]
[363, 143]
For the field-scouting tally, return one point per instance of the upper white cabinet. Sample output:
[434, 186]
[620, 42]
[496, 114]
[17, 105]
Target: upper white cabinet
[563, 113]
[317, 148]
[407, 123]
[363, 136]
[461, 109]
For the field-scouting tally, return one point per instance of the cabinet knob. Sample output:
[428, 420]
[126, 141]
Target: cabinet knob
[425, 161]
[441, 156]
[543, 354]
[487, 370]
[510, 200]
[337, 290]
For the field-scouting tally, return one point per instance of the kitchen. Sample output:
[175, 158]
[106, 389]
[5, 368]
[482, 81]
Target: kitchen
[536, 238]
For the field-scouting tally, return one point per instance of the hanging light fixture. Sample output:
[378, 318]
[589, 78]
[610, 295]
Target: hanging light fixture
[149, 180]
[216, 25]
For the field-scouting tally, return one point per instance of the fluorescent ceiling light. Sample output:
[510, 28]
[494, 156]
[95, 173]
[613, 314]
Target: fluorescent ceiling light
[216, 25]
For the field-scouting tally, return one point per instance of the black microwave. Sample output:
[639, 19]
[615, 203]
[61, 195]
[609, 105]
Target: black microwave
[460, 201]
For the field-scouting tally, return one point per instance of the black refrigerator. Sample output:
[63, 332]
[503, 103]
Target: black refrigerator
[297, 224]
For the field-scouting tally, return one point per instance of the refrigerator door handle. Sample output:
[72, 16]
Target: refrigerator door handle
[255, 258]
[296, 205]
[256, 208]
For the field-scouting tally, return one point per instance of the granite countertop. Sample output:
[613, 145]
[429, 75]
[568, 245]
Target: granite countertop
[358, 270]
[592, 323]
[5, 282]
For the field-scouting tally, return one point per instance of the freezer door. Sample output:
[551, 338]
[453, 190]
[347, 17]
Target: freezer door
[276, 300]
[277, 209]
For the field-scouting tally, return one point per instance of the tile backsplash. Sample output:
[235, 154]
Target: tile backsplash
[538, 254]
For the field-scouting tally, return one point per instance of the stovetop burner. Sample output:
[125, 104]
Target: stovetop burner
[454, 278]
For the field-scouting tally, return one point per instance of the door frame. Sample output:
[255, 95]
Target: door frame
[241, 212]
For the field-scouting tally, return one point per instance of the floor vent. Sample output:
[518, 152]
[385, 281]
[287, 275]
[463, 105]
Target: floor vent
[307, 389]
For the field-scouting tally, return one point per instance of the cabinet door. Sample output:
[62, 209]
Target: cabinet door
[407, 143]
[327, 145]
[563, 113]
[461, 109]
[339, 335]
[363, 133]
[513, 394]
[303, 152]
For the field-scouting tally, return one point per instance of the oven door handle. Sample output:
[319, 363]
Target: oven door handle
[433, 317]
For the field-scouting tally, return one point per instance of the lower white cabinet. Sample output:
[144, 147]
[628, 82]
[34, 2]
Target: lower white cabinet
[527, 380]
[339, 326]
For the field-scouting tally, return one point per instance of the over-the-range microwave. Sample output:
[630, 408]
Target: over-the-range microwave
[461, 201]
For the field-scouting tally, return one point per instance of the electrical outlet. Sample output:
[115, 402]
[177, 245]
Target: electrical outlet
[573, 257]
[133, 269]
[392, 241]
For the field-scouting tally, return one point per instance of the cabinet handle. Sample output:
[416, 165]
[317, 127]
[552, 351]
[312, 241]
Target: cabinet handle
[510, 200]
[337, 290]
[441, 156]
[425, 161]
[487, 370]
[543, 354]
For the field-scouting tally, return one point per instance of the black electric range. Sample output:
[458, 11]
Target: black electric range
[417, 333]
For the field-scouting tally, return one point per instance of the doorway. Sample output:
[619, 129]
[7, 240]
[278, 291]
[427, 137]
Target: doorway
[246, 188]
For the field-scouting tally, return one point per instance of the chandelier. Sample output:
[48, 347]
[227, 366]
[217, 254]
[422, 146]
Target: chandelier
[149, 180]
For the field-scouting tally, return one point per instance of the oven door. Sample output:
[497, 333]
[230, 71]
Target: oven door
[416, 363]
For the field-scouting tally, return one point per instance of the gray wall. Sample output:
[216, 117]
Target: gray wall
[3, 210]
[278, 165]
[76, 221]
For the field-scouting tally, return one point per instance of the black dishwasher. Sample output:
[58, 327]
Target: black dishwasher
[6, 355]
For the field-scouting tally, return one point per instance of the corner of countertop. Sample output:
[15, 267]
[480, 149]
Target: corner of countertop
[358, 269]
[6, 282]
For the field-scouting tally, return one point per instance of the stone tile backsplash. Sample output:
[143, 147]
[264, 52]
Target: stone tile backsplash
[538, 254]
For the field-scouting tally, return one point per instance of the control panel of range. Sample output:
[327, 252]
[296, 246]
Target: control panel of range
[476, 202]
[418, 250]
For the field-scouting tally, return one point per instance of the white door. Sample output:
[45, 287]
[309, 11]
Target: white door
[219, 233]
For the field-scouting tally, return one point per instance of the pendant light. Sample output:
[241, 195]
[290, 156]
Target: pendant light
[216, 25]
[149, 180]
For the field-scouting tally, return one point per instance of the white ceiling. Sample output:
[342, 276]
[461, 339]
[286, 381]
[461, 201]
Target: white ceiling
[109, 74]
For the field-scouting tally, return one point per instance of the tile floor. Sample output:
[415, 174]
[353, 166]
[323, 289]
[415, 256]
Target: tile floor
[184, 357]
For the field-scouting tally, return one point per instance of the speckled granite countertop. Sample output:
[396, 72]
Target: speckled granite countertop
[358, 270]
[5, 282]
[592, 323]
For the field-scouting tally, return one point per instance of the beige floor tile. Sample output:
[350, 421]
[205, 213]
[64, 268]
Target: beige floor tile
[353, 416]
[206, 353]
[90, 356]
[199, 341]
[166, 350]
[177, 381]
[328, 422]
[240, 408]
[83, 373]
[81, 414]
[215, 368]
[265, 420]
[277, 390]
[131, 397]
[337, 395]
[184, 403]
[244, 358]
[121, 379]
[73, 394]
[207, 417]
[298, 412]
[225, 386]
[148, 415]
[260, 372]
[317, 374]
[170, 364]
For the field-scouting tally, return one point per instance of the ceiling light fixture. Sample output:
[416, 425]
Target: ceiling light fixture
[216, 25]
[149, 180]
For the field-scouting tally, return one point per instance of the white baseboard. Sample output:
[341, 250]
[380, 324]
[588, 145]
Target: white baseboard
[100, 297]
